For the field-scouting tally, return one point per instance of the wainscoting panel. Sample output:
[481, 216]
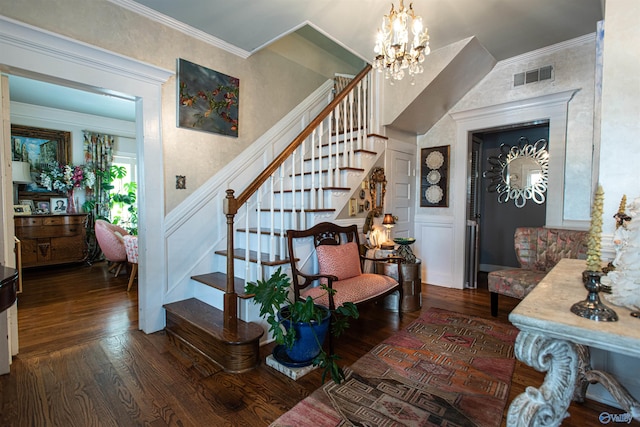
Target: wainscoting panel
[436, 250]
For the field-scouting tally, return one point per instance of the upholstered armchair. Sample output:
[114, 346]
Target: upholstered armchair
[111, 241]
[131, 247]
[339, 266]
[538, 250]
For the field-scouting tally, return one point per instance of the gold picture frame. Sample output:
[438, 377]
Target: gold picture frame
[39, 147]
[21, 210]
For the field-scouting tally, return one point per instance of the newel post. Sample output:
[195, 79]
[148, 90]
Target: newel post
[230, 297]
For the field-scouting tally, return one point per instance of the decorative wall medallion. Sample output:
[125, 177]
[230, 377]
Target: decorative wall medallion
[434, 194]
[433, 177]
[435, 160]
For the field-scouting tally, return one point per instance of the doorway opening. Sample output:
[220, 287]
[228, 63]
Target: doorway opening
[490, 223]
[41, 104]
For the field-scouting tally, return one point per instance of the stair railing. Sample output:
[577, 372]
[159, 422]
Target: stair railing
[335, 125]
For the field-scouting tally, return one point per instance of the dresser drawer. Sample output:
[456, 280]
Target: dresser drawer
[27, 221]
[52, 239]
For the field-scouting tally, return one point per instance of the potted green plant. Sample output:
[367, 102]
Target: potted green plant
[301, 326]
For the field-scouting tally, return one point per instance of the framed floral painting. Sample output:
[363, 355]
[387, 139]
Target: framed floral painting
[434, 177]
[207, 99]
[40, 147]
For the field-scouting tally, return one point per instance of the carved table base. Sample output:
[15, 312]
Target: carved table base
[569, 374]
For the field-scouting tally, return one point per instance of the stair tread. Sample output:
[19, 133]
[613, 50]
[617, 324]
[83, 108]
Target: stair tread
[342, 168]
[323, 188]
[211, 320]
[253, 257]
[298, 210]
[360, 150]
[218, 280]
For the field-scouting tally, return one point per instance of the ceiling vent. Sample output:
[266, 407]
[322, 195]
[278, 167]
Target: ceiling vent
[533, 76]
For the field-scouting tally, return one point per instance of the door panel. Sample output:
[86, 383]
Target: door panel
[400, 202]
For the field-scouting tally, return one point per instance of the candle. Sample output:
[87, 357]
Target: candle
[594, 262]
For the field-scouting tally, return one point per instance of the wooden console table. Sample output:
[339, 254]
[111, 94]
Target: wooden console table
[52, 239]
[555, 340]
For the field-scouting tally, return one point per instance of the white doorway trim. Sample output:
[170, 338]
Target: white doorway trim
[547, 107]
[35, 53]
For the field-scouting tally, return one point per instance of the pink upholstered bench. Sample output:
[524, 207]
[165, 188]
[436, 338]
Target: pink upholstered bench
[538, 250]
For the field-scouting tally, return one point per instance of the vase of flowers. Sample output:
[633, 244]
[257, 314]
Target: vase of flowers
[65, 179]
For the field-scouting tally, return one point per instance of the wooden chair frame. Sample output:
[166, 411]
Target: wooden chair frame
[326, 233]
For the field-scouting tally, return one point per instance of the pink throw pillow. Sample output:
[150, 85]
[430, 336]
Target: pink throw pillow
[342, 261]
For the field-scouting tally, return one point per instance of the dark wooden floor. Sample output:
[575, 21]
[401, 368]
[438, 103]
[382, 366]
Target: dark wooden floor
[82, 361]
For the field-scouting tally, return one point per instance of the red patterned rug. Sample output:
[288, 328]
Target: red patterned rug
[445, 369]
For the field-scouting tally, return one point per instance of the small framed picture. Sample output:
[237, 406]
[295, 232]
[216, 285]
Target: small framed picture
[28, 203]
[42, 208]
[361, 208]
[19, 210]
[353, 206]
[58, 205]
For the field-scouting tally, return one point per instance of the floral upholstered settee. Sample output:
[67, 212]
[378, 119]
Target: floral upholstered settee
[538, 250]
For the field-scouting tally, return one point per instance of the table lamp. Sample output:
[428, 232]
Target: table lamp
[388, 221]
[20, 174]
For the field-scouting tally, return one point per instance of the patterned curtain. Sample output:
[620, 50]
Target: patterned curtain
[98, 155]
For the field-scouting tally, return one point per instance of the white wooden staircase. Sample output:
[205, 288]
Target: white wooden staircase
[312, 180]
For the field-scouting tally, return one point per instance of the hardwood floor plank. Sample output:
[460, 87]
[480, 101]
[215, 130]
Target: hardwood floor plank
[83, 361]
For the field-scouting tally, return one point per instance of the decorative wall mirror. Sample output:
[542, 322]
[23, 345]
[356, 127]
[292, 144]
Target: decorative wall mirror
[519, 172]
[377, 189]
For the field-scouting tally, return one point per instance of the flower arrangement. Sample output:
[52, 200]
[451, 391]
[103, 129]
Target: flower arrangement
[66, 178]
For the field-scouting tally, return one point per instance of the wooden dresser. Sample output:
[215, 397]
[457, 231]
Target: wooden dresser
[52, 239]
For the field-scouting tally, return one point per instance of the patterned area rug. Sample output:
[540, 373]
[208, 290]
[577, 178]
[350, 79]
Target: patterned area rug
[445, 369]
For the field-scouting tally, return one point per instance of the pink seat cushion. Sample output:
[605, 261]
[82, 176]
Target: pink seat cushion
[342, 261]
[355, 289]
[131, 247]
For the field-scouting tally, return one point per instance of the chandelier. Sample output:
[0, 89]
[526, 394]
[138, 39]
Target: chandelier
[394, 54]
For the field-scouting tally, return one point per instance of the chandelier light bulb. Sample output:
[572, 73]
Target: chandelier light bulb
[393, 51]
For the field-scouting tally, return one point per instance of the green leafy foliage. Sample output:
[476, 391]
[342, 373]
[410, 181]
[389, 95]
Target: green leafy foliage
[273, 297]
[127, 199]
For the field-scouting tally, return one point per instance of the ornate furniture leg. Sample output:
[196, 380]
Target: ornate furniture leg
[569, 374]
[547, 405]
[588, 376]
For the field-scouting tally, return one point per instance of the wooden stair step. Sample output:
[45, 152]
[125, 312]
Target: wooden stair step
[323, 188]
[300, 211]
[342, 168]
[218, 281]
[356, 151]
[253, 257]
[197, 329]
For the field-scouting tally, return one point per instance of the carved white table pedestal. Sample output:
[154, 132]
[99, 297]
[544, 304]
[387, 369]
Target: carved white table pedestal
[556, 341]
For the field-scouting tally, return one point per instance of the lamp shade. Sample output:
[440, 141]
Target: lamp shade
[21, 172]
[388, 219]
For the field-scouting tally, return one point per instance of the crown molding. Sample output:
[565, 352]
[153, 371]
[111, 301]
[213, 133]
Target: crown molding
[534, 54]
[180, 26]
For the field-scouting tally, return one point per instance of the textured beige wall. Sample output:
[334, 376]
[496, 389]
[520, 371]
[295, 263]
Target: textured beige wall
[270, 83]
[574, 68]
[620, 124]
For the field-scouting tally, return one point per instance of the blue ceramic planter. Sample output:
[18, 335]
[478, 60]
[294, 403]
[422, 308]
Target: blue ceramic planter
[308, 335]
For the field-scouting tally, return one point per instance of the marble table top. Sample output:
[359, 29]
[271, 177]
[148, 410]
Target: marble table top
[547, 310]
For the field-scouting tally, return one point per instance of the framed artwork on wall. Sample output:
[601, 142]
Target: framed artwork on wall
[207, 100]
[39, 147]
[434, 177]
